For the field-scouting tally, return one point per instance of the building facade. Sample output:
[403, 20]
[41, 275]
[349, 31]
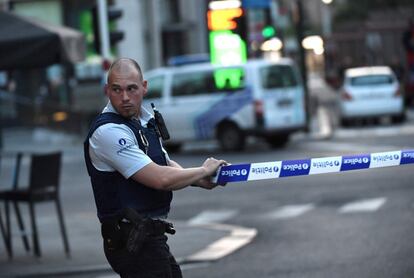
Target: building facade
[156, 30]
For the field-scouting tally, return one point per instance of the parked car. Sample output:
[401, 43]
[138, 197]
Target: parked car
[370, 92]
[228, 103]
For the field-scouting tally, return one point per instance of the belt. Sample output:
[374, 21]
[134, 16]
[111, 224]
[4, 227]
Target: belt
[130, 229]
[153, 227]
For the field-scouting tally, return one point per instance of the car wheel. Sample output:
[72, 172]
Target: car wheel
[345, 122]
[231, 138]
[277, 141]
[398, 119]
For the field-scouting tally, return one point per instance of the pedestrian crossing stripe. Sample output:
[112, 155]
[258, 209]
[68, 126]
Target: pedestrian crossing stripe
[366, 205]
[312, 166]
[290, 211]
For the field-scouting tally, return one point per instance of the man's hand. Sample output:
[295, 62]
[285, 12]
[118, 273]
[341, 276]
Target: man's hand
[206, 181]
[211, 165]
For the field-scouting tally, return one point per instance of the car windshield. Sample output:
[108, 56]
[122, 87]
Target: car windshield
[367, 80]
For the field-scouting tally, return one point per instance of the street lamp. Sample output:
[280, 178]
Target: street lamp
[314, 43]
[271, 48]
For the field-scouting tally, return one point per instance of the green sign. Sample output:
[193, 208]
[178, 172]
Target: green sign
[226, 48]
[86, 26]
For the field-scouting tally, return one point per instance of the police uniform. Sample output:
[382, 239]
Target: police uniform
[115, 149]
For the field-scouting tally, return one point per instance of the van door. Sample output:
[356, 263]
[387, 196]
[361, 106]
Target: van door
[283, 97]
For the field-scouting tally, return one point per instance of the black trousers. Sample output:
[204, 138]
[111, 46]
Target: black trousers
[154, 260]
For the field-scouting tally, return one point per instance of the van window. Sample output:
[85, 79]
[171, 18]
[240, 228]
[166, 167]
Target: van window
[196, 83]
[367, 80]
[155, 87]
[278, 76]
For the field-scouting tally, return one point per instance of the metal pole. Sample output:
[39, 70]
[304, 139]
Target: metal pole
[326, 20]
[103, 28]
[155, 29]
[302, 57]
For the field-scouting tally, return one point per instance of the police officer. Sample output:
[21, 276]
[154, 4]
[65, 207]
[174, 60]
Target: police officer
[129, 169]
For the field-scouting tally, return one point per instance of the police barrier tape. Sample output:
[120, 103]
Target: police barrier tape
[311, 166]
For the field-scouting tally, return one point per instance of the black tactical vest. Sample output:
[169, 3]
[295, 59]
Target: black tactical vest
[112, 191]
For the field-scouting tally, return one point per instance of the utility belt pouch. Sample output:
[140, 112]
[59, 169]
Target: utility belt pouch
[137, 236]
[112, 235]
[143, 227]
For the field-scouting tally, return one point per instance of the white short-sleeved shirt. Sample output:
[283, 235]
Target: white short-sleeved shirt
[114, 147]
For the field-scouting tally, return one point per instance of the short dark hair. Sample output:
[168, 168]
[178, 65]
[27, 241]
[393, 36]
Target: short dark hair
[117, 64]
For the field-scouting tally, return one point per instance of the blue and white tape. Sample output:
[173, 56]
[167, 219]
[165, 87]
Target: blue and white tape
[312, 166]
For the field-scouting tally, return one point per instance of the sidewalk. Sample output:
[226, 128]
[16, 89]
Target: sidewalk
[191, 243]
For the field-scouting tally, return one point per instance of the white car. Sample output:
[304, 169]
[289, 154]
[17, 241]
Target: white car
[370, 92]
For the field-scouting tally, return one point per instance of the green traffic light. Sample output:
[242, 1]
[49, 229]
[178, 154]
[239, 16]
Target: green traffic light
[268, 31]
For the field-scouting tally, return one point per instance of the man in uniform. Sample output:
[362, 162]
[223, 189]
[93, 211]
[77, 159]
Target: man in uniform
[133, 178]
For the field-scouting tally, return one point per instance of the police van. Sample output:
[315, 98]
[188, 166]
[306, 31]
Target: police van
[229, 103]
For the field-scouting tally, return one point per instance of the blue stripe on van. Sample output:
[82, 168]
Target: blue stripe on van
[225, 107]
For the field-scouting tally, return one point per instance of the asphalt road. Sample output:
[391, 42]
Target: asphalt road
[355, 224]
[306, 225]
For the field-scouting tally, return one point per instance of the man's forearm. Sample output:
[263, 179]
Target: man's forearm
[172, 177]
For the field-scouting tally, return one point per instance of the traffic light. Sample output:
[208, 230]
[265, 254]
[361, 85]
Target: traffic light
[268, 30]
[241, 27]
[96, 32]
[115, 36]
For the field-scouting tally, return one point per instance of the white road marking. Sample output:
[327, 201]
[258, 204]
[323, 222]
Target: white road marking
[238, 237]
[366, 205]
[290, 211]
[212, 216]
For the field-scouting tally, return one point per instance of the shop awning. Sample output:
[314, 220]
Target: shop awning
[27, 43]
